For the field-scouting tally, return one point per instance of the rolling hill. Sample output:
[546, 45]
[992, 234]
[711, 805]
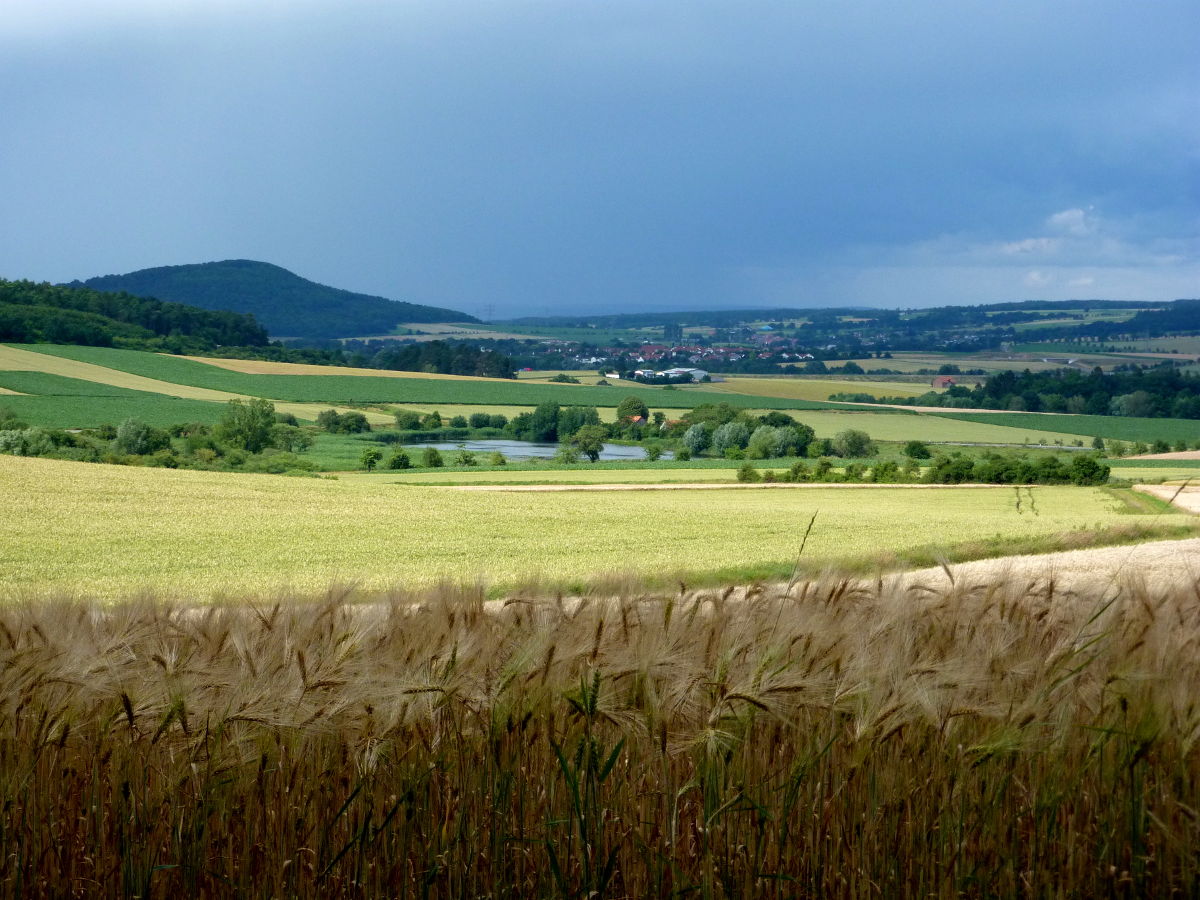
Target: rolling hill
[286, 304]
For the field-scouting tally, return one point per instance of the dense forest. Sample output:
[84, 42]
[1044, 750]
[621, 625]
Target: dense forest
[286, 304]
[31, 312]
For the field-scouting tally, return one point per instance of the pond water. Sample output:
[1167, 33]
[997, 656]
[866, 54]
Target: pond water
[528, 450]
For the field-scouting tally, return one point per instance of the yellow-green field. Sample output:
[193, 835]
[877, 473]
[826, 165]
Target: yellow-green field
[549, 476]
[111, 531]
[800, 388]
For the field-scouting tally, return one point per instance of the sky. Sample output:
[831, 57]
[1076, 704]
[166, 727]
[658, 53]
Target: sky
[520, 157]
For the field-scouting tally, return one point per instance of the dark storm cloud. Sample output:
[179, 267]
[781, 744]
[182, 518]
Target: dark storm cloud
[542, 156]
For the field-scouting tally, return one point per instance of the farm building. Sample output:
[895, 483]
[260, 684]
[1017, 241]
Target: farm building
[695, 374]
[943, 381]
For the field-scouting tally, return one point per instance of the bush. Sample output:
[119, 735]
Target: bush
[407, 420]
[138, 438]
[917, 450]
[885, 472]
[459, 422]
[683, 454]
[853, 444]
[351, 422]
[25, 442]
[432, 459]
[497, 459]
[747, 473]
[399, 459]
[465, 457]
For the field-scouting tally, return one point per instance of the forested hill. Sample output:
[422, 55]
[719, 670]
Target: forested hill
[61, 314]
[288, 305]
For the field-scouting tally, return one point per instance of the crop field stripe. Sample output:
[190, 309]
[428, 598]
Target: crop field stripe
[91, 412]
[269, 367]
[799, 388]
[116, 530]
[45, 384]
[1117, 427]
[31, 360]
[395, 389]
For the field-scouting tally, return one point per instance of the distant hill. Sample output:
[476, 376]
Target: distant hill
[286, 304]
[33, 312]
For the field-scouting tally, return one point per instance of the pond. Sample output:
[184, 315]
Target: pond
[529, 450]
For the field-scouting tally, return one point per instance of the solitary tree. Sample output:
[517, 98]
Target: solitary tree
[371, 457]
[589, 440]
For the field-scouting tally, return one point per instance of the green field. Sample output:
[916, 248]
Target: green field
[92, 411]
[48, 384]
[816, 388]
[365, 389]
[1121, 428]
[118, 530]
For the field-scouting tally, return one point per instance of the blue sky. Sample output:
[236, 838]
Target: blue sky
[524, 158]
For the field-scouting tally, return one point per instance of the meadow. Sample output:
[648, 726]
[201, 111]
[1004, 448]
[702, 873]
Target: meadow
[819, 739]
[117, 530]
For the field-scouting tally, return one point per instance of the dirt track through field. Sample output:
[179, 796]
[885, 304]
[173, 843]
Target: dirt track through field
[1178, 454]
[1185, 497]
[1157, 563]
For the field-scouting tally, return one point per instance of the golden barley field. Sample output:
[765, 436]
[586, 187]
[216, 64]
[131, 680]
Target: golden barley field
[826, 739]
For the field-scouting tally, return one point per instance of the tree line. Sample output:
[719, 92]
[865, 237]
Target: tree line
[1161, 392]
